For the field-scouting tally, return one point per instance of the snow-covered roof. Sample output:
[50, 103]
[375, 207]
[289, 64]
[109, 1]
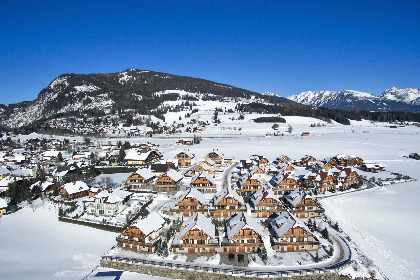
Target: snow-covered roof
[174, 175]
[145, 173]
[4, 170]
[153, 222]
[113, 197]
[199, 222]
[296, 196]
[75, 187]
[192, 193]
[262, 194]
[227, 192]
[202, 175]
[286, 221]
[242, 221]
[3, 203]
[136, 154]
[8, 180]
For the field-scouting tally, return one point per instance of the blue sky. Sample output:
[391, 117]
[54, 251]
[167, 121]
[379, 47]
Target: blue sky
[281, 46]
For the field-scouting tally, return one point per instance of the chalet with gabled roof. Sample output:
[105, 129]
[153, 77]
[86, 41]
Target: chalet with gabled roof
[143, 234]
[74, 190]
[248, 184]
[197, 235]
[303, 205]
[184, 159]
[284, 183]
[138, 158]
[320, 180]
[169, 181]
[291, 234]
[243, 234]
[203, 183]
[140, 181]
[202, 167]
[257, 171]
[216, 157]
[263, 204]
[226, 203]
[189, 203]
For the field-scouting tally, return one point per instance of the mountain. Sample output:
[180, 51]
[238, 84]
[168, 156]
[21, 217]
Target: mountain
[406, 95]
[393, 99]
[129, 92]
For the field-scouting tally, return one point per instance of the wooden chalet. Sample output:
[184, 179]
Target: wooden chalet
[203, 183]
[140, 181]
[248, 184]
[143, 234]
[373, 167]
[347, 178]
[169, 181]
[189, 203]
[284, 183]
[257, 171]
[216, 157]
[283, 159]
[197, 235]
[260, 161]
[343, 160]
[138, 158]
[185, 142]
[326, 166]
[306, 161]
[74, 190]
[243, 234]
[161, 168]
[226, 203]
[202, 167]
[263, 204]
[184, 159]
[291, 234]
[320, 180]
[303, 205]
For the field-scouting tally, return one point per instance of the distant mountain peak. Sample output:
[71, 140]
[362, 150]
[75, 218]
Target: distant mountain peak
[269, 93]
[392, 99]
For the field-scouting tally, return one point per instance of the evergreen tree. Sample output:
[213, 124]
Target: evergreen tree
[324, 233]
[121, 155]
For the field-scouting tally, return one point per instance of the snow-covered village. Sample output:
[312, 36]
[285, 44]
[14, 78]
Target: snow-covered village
[209, 140]
[293, 199]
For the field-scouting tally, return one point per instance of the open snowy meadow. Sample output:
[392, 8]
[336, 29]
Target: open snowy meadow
[382, 221]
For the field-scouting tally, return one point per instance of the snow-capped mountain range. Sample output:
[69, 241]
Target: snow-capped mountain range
[393, 99]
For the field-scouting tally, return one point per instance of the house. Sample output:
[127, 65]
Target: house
[143, 234]
[326, 166]
[184, 159]
[189, 203]
[3, 206]
[320, 180]
[291, 234]
[94, 191]
[260, 160]
[243, 234]
[303, 205]
[373, 167]
[203, 168]
[185, 142]
[307, 161]
[138, 158]
[284, 183]
[203, 183]
[257, 171]
[283, 159]
[140, 181]
[263, 204]
[197, 235]
[248, 184]
[347, 178]
[288, 169]
[169, 181]
[305, 133]
[74, 190]
[226, 203]
[344, 160]
[108, 203]
[216, 157]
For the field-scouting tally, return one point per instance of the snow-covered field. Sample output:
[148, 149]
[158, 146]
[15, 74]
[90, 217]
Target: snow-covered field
[382, 222]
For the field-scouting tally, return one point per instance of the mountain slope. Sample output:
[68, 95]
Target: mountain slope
[393, 99]
[97, 95]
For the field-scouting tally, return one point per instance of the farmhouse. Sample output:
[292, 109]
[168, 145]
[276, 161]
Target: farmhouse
[143, 234]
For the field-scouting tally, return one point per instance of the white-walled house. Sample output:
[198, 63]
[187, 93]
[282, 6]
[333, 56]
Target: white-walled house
[108, 203]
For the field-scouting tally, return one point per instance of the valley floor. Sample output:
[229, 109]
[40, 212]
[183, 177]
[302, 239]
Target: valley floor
[381, 221]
